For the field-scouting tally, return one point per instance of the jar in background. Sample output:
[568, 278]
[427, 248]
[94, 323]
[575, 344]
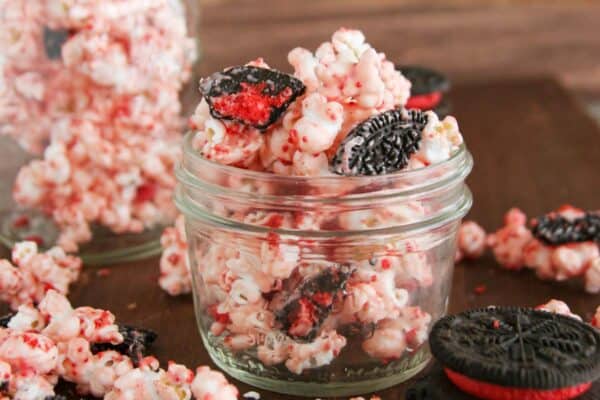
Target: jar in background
[320, 286]
[91, 92]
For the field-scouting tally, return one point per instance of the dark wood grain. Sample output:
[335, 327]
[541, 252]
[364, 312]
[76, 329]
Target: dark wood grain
[469, 39]
[533, 147]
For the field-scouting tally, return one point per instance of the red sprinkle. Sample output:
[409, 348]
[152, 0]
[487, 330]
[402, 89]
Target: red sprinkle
[274, 221]
[481, 289]
[22, 221]
[103, 272]
[496, 324]
[145, 192]
[173, 258]
[323, 298]
[35, 238]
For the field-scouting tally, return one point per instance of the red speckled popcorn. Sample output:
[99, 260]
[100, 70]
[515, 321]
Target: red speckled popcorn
[51, 341]
[34, 274]
[284, 290]
[95, 91]
[514, 247]
[508, 242]
[558, 307]
[471, 241]
[174, 269]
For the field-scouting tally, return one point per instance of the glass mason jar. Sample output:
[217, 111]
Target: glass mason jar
[119, 70]
[320, 286]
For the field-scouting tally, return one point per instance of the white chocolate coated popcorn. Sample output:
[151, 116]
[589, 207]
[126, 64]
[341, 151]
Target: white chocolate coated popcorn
[558, 307]
[471, 240]
[54, 339]
[514, 247]
[34, 274]
[316, 354]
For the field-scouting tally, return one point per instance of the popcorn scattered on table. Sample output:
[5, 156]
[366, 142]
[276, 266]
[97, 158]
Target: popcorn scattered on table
[106, 103]
[57, 343]
[34, 274]
[558, 307]
[516, 247]
[471, 241]
[174, 267]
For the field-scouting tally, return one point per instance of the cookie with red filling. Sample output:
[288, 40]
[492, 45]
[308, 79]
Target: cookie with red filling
[309, 304]
[427, 90]
[510, 353]
[252, 96]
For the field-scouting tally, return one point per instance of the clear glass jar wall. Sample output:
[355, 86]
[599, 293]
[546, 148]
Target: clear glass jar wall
[322, 286]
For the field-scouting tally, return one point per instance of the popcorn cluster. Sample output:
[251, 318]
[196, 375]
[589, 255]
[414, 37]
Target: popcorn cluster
[54, 340]
[174, 267]
[346, 82]
[32, 274]
[515, 247]
[99, 85]
[471, 241]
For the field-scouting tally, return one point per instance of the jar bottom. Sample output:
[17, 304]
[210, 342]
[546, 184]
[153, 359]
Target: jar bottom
[406, 368]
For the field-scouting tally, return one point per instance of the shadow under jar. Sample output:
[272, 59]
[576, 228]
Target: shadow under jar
[320, 286]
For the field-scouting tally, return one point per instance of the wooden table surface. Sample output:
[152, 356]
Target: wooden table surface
[533, 146]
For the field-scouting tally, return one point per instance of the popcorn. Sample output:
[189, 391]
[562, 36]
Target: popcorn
[94, 374]
[316, 354]
[54, 340]
[508, 242]
[440, 139]
[28, 352]
[558, 307]
[34, 274]
[174, 267]
[209, 384]
[150, 382]
[471, 240]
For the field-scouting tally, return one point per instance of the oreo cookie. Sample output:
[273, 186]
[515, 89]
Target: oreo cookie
[381, 144]
[136, 342]
[517, 353]
[312, 301]
[5, 319]
[250, 95]
[427, 90]
[554, 229]
[436, 386]
[53, 42]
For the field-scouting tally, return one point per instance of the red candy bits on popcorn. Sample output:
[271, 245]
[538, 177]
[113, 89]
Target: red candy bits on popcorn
[515, 246]
[35, 273]
[471, 240]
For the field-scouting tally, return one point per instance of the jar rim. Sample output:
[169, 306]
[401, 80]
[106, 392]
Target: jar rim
[191, 155]
[198, 176]
[466, 201]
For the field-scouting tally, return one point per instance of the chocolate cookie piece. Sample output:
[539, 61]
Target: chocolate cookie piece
[381, 144]
[136, 342]
[252, 96]
[554, 229]
[517, 353]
